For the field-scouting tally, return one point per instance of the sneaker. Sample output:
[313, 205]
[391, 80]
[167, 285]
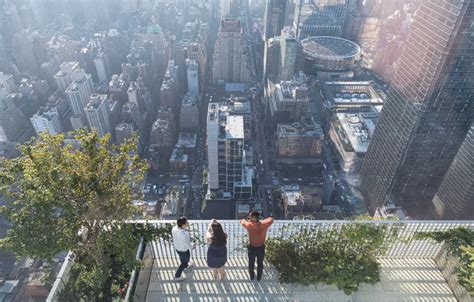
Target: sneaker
[190, 266]
[179, 278]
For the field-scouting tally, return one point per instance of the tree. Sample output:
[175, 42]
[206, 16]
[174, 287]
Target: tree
[71, 198]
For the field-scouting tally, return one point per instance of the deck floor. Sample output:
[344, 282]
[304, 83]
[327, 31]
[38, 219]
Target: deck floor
[401, 280]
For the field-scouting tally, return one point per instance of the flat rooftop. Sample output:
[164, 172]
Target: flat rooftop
[406, 279]
[235, 126]
[189, 100]
[297, 129]
[355, 129]
[401, 280]
[231, 25]
[187, 140]
[95, 101]
[330, 47]
[353, 93]
[77, 84]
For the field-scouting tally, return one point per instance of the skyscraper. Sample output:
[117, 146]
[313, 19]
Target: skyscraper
[289, 51]
[429, 109]
[79, 93]
[271, 58]
[230, 58]
[97, 113]
[226, 155]
[274, 17]
[320, 18]
[69, 72]
[455, 196]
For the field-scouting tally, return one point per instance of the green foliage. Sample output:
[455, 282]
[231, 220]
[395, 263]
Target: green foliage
[460, 244]
[465, 271]
[344, 257]
[150, 232]
[87, 281]
[67, 198]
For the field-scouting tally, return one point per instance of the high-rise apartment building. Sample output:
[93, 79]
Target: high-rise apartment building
[68, 72]
[230, 58]
[288, 101]
[274, 17]
[168, 93]
[429, 109]
[189, 114]
[289, 51]
[79, 93]
[97, 113]
[226, 154]
[47, 119]
[131, 114]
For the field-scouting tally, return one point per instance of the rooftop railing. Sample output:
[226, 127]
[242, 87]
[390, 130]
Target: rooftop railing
[405, 244]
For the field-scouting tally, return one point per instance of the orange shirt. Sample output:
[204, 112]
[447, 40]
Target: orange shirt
[257, 230]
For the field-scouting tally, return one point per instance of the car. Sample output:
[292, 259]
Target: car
[286, 179]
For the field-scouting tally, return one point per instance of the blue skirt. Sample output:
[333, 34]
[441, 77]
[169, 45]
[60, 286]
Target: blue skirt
[216, 256]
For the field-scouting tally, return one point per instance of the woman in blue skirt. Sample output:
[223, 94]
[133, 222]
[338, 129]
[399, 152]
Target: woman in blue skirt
[217, 251]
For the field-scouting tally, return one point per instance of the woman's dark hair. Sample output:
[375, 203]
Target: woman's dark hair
[181, 221]
[255, 214]
[218, 236]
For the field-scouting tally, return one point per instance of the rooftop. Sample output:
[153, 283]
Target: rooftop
[187, 140]
[235, 126]
[76, 85]
[357, 129]
[95, 101]
[178, 155]
[160, 125]
[47, 112]
[124, 127]
[289, 33]
[295, 88]
[189, 100]
[299, 129]
[330, 47]
[231, 25]
[352, 93]
[408, 272]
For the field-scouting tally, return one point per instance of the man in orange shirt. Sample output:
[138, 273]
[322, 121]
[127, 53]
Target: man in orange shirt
[257, 232]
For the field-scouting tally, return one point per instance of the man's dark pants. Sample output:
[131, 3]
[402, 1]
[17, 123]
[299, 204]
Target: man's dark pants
[259, 253]
[184, 259]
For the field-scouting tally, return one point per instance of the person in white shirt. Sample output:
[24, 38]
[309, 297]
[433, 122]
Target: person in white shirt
[183, 246]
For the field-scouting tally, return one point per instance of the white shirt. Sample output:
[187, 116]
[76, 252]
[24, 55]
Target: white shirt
[181, 239]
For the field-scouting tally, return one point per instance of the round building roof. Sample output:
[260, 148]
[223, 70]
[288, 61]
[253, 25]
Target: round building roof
[327, 47]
